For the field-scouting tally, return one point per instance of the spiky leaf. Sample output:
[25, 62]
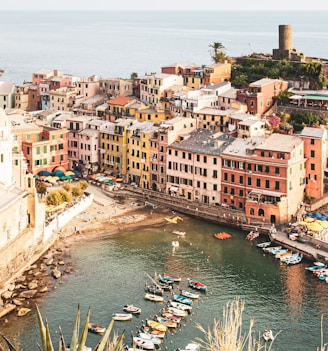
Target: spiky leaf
[42, 329]
[75, 336]
[84, 334]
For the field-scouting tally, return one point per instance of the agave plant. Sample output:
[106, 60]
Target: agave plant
[78, 341]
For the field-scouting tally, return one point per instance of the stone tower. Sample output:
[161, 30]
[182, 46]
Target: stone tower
[285, 37]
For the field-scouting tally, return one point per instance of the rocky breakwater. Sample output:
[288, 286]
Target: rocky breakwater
[21, 295]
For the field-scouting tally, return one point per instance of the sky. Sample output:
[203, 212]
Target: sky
[249, 5]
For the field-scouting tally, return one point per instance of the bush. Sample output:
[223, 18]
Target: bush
[54, 198]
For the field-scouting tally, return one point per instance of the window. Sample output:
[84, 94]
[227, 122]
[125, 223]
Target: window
[241, 180]
[215, 174]
[277, 185]
[232, 178]
[38, 150]
[277, 170]
[215, 161]
[258, 182]
[241, 193]
[205, 159]
[312, 153]
[225, 177]
[312, 167]
[267, 184]
[249, 181]
[215, 187]
[312, 142]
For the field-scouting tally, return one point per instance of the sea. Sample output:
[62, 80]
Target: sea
[112, 271]
[112, 44]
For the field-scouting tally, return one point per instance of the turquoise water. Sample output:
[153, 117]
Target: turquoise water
[111, 273]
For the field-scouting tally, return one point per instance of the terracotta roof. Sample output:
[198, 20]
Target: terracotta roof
[120, 100]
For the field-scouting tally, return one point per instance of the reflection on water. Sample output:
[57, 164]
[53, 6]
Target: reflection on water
[111, 272]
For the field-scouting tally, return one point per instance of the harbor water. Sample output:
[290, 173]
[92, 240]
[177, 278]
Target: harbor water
[112, 271]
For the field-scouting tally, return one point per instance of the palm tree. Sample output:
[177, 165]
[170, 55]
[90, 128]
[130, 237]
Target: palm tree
[217, 52]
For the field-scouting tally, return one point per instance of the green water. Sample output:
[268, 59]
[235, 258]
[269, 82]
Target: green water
[110, 273]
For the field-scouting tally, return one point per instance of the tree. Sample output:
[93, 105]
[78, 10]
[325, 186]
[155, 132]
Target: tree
[41, 188]
[68, 187]
[77, 190]
[134, 75]
[54, 198]
[217, 52]
[83, 184]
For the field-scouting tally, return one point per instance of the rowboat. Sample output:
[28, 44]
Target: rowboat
[316, 266]
[197, 285]
[169, 315]
[154, 289]
[271, 248]
[96, 328]
[143, 343]
[165, 280]
[153, 332]
[180, 306]
[252, 235]
[156, 325]
[132, 309]
[153, 297]
[175, 278]
[177, 312]
[154, 339]
[122, 316]
[278, 251]
[293, 259]
[268, 335]
[178, 232]
[189, 294]
[263, 245]
[182, 299]
[169, 323]
[283, 253]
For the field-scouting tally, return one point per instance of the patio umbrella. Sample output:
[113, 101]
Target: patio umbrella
[58, 173]
[42, 177]
[44, 173]
[59, 168]
[69, 173]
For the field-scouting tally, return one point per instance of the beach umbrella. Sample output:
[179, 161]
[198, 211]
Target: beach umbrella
[58, 173]
[59, 168]
[69, 173]
[42, 177]
[44, 173]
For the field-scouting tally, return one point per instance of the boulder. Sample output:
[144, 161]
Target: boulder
[28, 294]
[32, 285]
[6, 295]
[23, 311]
[56, 273]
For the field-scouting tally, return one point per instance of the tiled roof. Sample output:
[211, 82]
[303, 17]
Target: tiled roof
[120, 100]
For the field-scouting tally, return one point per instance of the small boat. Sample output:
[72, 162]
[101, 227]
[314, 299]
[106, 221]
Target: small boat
[164, 286]
[182, 299]
[316, 266]
[152, 332]
[197, 285]
[153, 297]
[252, 235]
[156, 325]
[191, 347]
[293, 259]
[96, 328]
[180, 306]
[169, 315]
[278, 251]
[175, 278]
[177, 312]
[143, 343]
[178, 232]
[222, 236]
[175, 243]
[122, 316]
[154, 289]
[271, 248]
[154, 339]
[189, 294]
[263, 245]
[169, 323]
[131, 309]
[283, 253]
[268, 335]
[165, 280]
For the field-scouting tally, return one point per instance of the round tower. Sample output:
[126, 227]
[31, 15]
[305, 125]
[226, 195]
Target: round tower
[285, 37]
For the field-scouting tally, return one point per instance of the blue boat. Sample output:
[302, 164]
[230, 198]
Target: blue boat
[197, 285]
[166, 280]
[182, 299]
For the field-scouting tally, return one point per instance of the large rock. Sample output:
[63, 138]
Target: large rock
[7, 295]
[27, 294]
[32, 285]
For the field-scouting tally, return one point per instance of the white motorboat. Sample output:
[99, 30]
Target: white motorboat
[122, 316]
[143, 343]
[153, 297]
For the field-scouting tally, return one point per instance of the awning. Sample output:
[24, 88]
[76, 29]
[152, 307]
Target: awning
[267, 193]
[174, 188]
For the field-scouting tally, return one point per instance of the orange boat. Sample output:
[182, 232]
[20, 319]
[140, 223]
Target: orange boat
[222, 236]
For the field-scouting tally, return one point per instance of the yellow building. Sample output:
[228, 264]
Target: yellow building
[138, 162]
[113, 147]
[149, 114]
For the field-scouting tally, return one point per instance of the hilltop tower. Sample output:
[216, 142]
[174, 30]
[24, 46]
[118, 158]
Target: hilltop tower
[286, 51]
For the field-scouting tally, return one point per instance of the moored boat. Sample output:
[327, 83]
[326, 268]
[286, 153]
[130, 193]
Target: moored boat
[263, 245]
[182, 299]
[122, 316]
[180, 306]
[177, 312]
[165, 280]
[169, 323]
[131, 309]
[96, 328]
[153, 332]
[197, 285]
[175, 278]
[153, 338]
[143, 343]
[154, 289]
[153, 297]
[268, 335]
[271, 248]
[156, 325]
[171, 316]
[178, 232]
[189, 294]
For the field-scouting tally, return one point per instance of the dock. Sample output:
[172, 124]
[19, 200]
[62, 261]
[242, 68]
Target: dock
[311, 248]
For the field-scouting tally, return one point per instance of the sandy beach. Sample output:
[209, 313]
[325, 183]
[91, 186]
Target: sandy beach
[106, 216]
